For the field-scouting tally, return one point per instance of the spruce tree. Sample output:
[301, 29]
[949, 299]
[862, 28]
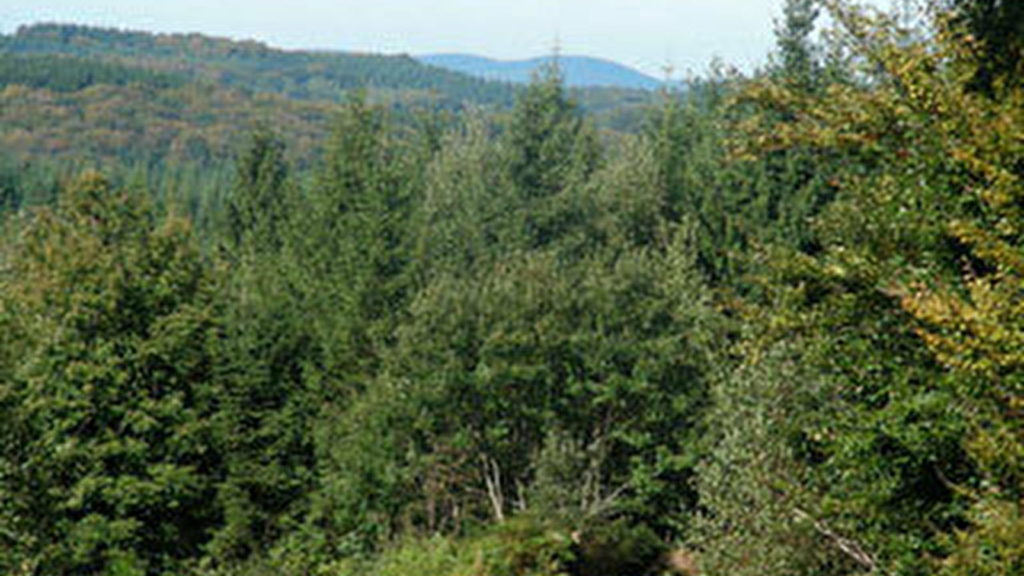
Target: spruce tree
[108, 462]
[266, 414]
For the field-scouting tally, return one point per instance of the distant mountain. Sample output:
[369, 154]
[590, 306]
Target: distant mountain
[579, 71]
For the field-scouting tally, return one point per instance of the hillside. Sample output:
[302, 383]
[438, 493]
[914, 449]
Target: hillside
[579, 71]
[62, 107]
[85, 92]
[256, 66]
[324, 75]
[122, 101]
[171, 111]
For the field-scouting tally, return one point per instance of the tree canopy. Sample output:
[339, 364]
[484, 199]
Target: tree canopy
[776, 330]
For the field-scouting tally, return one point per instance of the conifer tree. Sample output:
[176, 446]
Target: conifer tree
[353, 239]
[796, 52]
[256, 211]
[266, 413]
[550, 151]
[108, 462]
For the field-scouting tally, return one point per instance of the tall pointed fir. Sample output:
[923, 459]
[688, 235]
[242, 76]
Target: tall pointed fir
[266, 413]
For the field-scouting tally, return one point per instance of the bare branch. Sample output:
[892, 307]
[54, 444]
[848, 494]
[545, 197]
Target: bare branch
[849, 547]
[492, 478]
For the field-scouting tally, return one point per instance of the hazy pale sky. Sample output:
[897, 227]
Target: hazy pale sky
[647, 34]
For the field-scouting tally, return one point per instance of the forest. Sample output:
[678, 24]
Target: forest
[281, 313]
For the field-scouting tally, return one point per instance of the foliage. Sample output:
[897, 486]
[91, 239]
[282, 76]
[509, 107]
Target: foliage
[776, 331]
[920, 242]
[62, 74]
[302, 75]
[523, 547]
[108, 458]
[995, 29]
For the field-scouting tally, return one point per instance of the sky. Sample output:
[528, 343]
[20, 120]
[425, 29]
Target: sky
[646, 34]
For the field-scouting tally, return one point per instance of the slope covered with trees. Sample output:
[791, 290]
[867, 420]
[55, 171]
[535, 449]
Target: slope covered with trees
[400, 81]
[256, 66]
[776, 332]
[170, 111]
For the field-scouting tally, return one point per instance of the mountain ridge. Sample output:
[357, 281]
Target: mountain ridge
[578, 70]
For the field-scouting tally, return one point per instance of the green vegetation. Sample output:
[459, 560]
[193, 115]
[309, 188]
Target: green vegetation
[65, 74]
[255, 66]
[67, 55]
[776, 330]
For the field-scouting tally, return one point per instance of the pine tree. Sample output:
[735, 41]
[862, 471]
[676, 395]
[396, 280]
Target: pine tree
[353, 239]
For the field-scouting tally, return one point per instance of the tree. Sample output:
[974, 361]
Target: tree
[499, 382]
[257, 209]
[11, 194]
[996, 29]
[549, 151]
[797, 58]
[759, 512]
[107, 456]
[352, 240]
[266, 412]
[902, 303]
[466, 194]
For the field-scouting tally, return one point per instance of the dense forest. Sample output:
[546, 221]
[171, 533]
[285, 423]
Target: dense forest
[67, 59]
[169, 112]
[257, 319]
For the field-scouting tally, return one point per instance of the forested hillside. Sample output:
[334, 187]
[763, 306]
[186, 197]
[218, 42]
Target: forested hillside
[778, 330]
[398, 81]
[256, 66]
[170, 111]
